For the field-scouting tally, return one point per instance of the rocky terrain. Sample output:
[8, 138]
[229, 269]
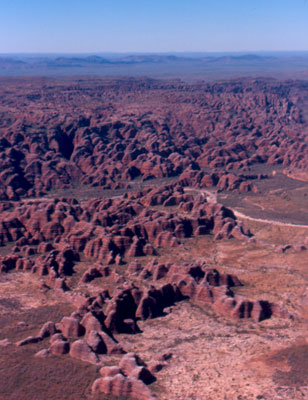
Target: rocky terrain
[55, 134]
[145, 224]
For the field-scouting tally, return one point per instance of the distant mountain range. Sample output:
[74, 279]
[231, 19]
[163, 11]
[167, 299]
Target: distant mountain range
[154, 64]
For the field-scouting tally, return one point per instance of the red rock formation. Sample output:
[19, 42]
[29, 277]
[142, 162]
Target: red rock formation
[82, 351]
[59, 347]
[121, 386]
[82, 140]
[71, 327]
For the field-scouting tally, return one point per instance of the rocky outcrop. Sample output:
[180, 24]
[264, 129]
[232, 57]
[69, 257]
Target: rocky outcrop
[122, 386]
[82, 351]
[107, 231]
[75, 142]
[59, 347]
[131, 140]
[128, 380]
[202, 285]
[71, 327]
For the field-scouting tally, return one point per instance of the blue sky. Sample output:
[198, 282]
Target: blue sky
[44, 26]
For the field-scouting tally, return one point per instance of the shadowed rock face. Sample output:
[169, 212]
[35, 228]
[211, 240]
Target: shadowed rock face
[106, 230]
[104, 132]
[87, 335]
[201, 285]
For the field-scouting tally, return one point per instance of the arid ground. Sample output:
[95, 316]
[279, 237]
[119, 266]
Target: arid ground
[153, 239]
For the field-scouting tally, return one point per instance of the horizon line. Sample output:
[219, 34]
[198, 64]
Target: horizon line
[153, 52]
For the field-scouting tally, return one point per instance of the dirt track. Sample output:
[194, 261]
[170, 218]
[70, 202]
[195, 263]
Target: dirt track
[212, 198]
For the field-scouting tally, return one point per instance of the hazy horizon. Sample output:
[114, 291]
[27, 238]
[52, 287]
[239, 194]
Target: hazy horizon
[169, 52]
